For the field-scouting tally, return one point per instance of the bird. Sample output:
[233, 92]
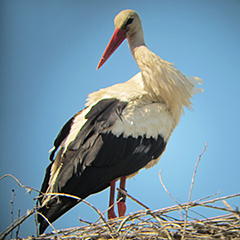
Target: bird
[122, 129]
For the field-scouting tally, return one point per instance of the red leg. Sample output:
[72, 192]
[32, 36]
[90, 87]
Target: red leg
[121, 205]
[111, 213]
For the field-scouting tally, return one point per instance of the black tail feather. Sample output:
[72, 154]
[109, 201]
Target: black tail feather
[55, 210]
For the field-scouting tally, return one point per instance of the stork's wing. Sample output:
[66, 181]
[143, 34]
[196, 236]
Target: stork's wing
[96, 157]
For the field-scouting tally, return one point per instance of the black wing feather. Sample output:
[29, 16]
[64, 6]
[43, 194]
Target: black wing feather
[95, 158]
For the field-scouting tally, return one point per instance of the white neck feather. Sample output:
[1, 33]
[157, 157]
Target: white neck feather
[136, 40]
[163, 82]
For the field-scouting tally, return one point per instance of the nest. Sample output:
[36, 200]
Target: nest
[158, 224]
[150, 224]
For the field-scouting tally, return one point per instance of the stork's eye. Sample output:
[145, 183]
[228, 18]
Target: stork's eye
[129, 21]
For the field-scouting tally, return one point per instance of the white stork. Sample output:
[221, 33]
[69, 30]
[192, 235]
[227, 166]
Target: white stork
[123, 128]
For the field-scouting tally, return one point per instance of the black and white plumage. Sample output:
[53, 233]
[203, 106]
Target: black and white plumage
[123, 128]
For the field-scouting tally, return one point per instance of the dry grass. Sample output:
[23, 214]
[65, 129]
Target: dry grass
[152, 224]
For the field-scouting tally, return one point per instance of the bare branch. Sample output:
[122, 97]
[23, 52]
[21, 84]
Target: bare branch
[191, 187]
[16, 223]
[131, 197]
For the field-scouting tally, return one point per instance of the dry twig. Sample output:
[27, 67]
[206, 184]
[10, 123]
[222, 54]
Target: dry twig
[191, 187]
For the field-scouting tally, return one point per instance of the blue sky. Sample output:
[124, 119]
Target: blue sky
[49, 54]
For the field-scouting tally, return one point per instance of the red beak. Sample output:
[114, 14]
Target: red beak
[117, 38]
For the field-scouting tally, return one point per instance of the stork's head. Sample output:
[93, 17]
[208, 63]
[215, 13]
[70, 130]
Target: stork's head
[127, 23]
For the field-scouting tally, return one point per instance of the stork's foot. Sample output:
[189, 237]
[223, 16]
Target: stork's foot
[121, 208]
[111, 213]
[121, 204]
